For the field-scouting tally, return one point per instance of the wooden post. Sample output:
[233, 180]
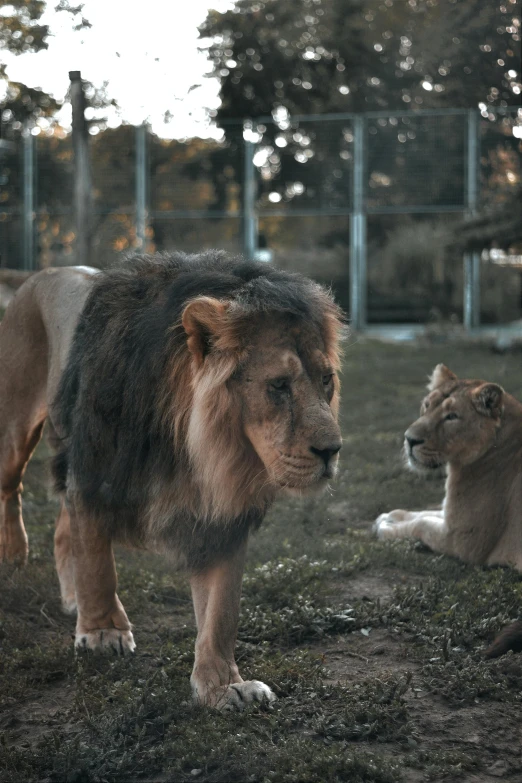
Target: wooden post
[28, 222]
[82, 179]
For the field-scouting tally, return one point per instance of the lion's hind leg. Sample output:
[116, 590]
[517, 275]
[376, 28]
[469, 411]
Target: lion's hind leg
[23, 410]
[14, 545]
[102, 623]
[16, 448]
[63, 559]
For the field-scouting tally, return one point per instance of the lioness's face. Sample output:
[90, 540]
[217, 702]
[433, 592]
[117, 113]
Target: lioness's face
[458, 424]
[288, 392]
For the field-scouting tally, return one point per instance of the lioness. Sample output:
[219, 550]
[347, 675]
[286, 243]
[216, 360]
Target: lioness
[182, 393]
[475, 429]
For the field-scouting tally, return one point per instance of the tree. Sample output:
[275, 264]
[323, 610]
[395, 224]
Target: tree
[268, 54]
[21, 32]
[321, 56]
[468, 51]
[346, 55]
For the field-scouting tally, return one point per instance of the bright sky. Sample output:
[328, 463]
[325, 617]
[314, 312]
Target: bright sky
[146, 51]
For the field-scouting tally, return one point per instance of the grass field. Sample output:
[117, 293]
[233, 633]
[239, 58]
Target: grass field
[374, 650]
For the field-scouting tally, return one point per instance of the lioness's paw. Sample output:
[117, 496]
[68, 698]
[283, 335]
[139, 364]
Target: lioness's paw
[106, 640]
[238, 695]
[381, 525]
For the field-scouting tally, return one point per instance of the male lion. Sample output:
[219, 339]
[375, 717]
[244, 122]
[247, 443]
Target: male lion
[182, 393]
[475, 428]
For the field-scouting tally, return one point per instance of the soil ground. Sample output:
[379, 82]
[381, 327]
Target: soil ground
[374, 650]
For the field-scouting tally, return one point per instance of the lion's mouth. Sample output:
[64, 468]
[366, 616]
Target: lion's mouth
[302, 483]
[305, 484]
[304, 475]
[421, 466]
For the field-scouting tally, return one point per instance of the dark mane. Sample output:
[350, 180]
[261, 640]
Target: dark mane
[118, 449]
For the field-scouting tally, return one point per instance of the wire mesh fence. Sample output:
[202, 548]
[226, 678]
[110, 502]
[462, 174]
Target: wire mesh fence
[364, 202]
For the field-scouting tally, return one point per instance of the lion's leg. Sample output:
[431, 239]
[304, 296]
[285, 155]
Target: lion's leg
[23, 409]
[426, 526]
[63, 559]
[18, 445]
[35, 335]
[14, 545]
[215, 679]
[102, 623]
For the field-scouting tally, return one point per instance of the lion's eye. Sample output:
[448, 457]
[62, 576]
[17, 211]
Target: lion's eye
[451, 417]
[280, 384]
[327, 378]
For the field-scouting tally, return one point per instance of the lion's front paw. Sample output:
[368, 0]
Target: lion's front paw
[235, 696]
[106, 640]
[383, 525]
[238, 695]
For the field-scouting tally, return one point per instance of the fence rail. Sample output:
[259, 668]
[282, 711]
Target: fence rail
[271, 168]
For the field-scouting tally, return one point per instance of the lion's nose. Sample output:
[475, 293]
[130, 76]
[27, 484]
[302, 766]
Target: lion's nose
[413, 441]
[326, 454]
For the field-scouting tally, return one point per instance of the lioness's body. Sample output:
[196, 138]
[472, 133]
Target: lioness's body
[475, 428]
[183, 392]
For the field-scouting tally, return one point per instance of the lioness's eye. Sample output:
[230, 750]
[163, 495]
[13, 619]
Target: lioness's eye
[327, 378]
[451, 417]
[280, 384]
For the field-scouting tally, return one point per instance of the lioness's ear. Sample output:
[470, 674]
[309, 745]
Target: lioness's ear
[488, 399]
[440, 375]
[203, 320]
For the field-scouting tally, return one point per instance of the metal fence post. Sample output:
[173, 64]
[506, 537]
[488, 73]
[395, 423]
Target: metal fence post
[249, 196]
[141, 186]
[472, 259]
[82, 179]
[358, 229]
[28, 226]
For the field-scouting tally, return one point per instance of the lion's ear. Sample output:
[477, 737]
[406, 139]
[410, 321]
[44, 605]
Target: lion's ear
[440, 375]
[204, 321]
[488, 399]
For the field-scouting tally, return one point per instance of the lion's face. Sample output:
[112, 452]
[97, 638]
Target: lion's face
[288, 391]
[263, 412]
[458, 422]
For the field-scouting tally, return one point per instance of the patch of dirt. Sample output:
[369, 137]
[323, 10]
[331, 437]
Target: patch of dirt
[25, 722]
[373, 585]
[489, 732]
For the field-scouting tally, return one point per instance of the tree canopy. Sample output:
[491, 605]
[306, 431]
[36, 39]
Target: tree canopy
[352, 55]
[316, 57]
[21, 32]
